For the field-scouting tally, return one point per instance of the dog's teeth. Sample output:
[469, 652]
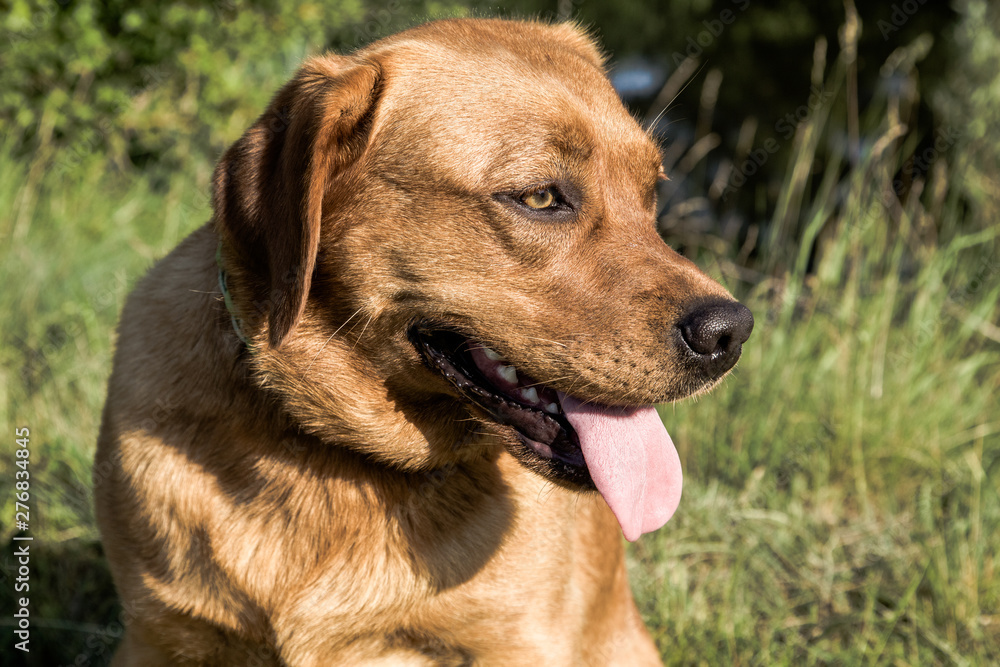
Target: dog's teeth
[530, 394]
[491, 354]
[552, 408]
[507, 373]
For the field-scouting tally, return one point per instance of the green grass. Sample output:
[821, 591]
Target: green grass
[842, 503]
[76, 242]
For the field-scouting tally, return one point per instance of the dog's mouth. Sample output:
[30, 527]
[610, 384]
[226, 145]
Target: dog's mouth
[509, 397]
[624, 453]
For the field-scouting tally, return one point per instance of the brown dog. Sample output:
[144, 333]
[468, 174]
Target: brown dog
[455, 313]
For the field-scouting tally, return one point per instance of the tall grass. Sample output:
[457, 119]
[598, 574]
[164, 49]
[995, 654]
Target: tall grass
[841, 503]
[76, 242]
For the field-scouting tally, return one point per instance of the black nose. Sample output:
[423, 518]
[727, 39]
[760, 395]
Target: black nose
[715, 332]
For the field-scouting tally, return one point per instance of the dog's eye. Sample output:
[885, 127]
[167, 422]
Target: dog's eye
[541, 199]
[550, 203]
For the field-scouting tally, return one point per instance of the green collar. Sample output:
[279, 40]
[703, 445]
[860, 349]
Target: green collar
[227, 297]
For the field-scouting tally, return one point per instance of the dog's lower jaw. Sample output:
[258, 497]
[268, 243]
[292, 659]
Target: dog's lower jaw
[538, 436]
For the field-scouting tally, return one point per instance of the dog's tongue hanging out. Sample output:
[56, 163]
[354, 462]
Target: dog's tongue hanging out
[632, 461]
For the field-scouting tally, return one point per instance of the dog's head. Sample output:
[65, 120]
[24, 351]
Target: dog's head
[459, 221]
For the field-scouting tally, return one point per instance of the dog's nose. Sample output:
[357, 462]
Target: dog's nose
[715, 332]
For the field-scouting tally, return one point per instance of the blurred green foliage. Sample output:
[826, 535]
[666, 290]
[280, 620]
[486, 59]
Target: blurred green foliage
[968, 102]
[151, 81]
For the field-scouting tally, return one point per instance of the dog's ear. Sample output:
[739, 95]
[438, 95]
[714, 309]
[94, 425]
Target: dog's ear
[269, 186]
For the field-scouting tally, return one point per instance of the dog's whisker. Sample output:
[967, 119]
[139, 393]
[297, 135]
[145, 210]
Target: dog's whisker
[465, 419]
[545, 340]
[546, 490]
[355, 326]
[577, 386]
[683, 71]
[329, 338]
[363, 329]
[548, 381]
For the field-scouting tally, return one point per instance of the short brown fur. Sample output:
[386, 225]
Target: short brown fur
[322, 497]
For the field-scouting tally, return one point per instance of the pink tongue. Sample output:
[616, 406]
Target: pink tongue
[632, 461]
